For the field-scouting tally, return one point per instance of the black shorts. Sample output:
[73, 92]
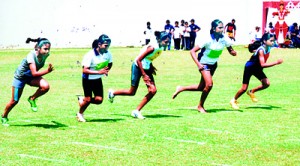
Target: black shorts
[211, 68]
[91, 87]
[255, 70]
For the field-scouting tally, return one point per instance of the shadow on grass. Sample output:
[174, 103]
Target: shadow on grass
[154, 116]
[162, 116]
[104, 120]
[222, 110]
[266, 107]
[211, 110]
[46, 126]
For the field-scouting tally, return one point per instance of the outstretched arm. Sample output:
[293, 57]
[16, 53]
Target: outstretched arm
[231, 51]
[263, 62]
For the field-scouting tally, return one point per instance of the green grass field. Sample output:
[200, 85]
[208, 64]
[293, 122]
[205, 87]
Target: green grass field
[174, 133]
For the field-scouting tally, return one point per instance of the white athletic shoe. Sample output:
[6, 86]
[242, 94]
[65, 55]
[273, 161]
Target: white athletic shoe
[111, 95]
[137, 114]
[234, 104]
[80, 99]
[80, 117]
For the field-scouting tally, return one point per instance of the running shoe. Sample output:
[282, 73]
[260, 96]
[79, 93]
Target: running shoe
[80, 99]
[252, 96]
[111, 95]
[80, 117]
[33, 105]
[4, 121]
[234, 104]
[137, 114]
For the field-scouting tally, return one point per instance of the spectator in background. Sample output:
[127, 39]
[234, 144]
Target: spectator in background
[182, 37]
[193, 34]
[169, 29]
[148, 33]
[271, 29]
[294, 35]
[255, 35]
[177, 36]
[230, 29]
[186, 35]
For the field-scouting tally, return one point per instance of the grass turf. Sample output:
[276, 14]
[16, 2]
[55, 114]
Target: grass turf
[263, 133]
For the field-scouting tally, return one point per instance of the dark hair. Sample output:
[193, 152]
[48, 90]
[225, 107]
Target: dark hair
[266, 36]
[148, 23]
[95, 43]
[39, 42]
[161, 35]
[214, 24]
[254, 46]
[104, 39]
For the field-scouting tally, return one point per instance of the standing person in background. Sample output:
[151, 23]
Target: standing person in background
[255, 66]
[169, 29]
[186, 36]
[255, 35]
[177, 36]
[230, 29]
[143, 67]
[270, 29]
[281, 28]
[148, 33]
[193, 34]
[214, 44]
[29, 73]
[182, 37]
[96, 64]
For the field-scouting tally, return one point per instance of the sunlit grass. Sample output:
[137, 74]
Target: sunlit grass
[174, 133]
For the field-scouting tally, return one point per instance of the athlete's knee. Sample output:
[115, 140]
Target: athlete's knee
[98, 100]
[87, 99]
[45, 87]
[153, 91]
[265, 83]
[208, 87]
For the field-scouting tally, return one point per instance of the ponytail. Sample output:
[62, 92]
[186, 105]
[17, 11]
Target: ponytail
[39, 42]
[95, 43]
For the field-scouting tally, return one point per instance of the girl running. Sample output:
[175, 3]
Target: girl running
[96, 64]
[255, 66]
[143, 67]
[207, 64]
[29, 73]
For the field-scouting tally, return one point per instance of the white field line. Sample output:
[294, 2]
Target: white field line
[41, 158]
[220, 164]
[185, 141]
[211, 130]
[98, 146]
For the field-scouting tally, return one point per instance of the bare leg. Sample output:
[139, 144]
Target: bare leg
[208, 86]
[151, 92]
[265, 84]
[241, 91]
[43, 87]
[126, 92]
[85, 103]
[12, 103]
[179, 89]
